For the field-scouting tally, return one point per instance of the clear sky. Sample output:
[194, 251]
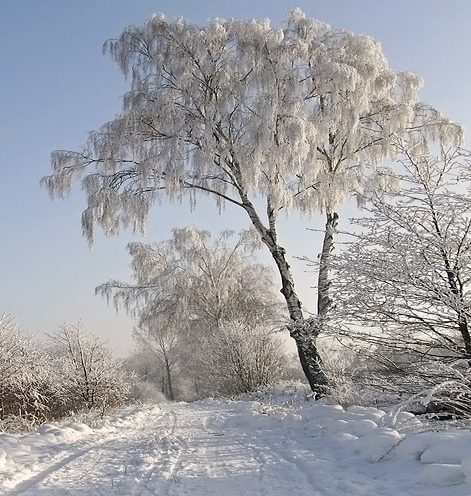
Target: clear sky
[56, 86]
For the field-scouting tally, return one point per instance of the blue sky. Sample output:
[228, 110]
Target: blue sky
[56, 86]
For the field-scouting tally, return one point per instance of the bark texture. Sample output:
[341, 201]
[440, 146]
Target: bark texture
[324, 301]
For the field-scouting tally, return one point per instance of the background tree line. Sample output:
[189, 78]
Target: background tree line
[206, 315]
[206, 311]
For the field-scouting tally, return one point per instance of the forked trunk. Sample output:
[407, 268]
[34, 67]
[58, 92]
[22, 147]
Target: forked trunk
[304, 332]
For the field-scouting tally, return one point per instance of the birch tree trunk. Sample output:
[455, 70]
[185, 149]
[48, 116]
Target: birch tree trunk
[324, 300]
[303, 331]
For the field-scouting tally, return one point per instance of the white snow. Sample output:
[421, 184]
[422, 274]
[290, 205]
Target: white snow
[271, 444]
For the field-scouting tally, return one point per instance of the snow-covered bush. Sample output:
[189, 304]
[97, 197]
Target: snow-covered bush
[28, 389]
[90, 376]
[380, 376]
[240, 359]
[340, 369]
[146, 392]
[440, 393]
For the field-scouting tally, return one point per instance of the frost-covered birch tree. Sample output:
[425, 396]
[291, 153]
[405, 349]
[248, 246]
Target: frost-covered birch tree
[188, 290]
[268, 119]
[405, 280]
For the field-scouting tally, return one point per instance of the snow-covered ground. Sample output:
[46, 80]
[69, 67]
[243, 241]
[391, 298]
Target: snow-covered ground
[276, 444]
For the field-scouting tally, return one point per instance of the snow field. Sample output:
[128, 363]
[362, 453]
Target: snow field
[444, 457]
[275, 444]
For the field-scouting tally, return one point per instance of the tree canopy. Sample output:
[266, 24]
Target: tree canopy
[196, 279]
[239, 108]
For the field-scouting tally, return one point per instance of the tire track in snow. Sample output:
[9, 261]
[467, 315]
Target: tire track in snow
[276, 455]
[207, 448]
[39, 477]
[219, 459]
[85, 459]
[214, 461]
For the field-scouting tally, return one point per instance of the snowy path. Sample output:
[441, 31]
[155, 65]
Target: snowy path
[226, 448]
[182, 449]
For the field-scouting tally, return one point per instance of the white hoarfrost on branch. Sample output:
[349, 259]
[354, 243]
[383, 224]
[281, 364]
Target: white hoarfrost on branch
[405, 278]
[91, 378]
[29, 388]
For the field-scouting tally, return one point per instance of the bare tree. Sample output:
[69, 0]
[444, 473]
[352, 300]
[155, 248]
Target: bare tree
[264, 118]
[91, 377]
[404, 282]
[241, 359]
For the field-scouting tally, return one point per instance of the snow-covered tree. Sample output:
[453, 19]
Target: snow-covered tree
[27, 383]
[159, 343]
[405, 280]
[186, 289]
[90, 376]
[196, 276]
[268, 119]
[241, 359]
